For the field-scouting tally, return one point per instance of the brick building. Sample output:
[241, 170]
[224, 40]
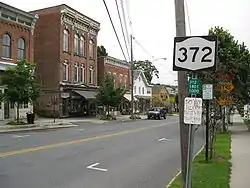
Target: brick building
[16, 40]
[120, 70]
[66, 57]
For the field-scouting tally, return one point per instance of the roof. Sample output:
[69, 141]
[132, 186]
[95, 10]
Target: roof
[19, 11]
[63, 6]
[137, 73]
[157, 88]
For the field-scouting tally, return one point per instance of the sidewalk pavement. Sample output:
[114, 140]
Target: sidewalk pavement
[48, 123]
[240, 174]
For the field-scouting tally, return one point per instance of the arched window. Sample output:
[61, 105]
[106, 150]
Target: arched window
[91, 74]
[76, 44]
[6, 46]
[21, 49]
[82, 50]
[82, 73]
[91, 48]
[65, 41]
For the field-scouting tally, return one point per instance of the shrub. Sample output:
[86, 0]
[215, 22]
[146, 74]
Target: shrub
[16, 123]
[108, 117]
[135, 117]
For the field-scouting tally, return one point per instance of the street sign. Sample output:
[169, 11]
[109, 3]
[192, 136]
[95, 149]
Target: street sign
[226, 87]
[195, 53]
[192, 110]
[194, 86]
[225, 100]
[207, 91]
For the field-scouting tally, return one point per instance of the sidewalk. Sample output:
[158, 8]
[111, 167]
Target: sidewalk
[240, 175]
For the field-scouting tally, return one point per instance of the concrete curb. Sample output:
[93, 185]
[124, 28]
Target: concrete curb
[179, 171]
[37, 128]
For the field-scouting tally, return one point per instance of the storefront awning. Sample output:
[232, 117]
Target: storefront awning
[128, 97]
[142, 97]
[86, 94]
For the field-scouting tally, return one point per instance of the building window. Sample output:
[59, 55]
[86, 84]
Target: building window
[91, 74]
[139, 90]
[25, 105]
[76, 44]
[21, 49]
[65, 41]
[12, 105]
[65, 70]
[82, 73]
[125, 80]
[143, 90]
[91, 49]
[120, 77]
[76, 72]
[139, 79]
[135, 89]
[6, 46]
[82, 47]
[148, 91]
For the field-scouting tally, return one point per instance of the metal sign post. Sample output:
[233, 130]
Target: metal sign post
[193, 53]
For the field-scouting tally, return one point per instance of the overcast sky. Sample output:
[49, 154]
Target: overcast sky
[153, 24]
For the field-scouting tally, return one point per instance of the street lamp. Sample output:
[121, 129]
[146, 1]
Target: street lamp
[163, 58]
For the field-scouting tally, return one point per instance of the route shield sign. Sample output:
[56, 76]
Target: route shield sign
[195, 53]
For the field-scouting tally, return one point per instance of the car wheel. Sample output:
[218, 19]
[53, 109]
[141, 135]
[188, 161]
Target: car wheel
[148, 117]
[164, 117]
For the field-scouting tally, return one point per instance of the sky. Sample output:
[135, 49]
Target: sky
[153, 25]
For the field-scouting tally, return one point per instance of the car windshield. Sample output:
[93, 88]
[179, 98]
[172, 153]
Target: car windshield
[155, 109]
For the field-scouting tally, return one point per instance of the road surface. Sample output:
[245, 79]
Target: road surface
[138, 154]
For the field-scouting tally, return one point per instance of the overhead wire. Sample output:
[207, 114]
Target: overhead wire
[114, 29]
[144, 49]
[119, 15]
[125, 21]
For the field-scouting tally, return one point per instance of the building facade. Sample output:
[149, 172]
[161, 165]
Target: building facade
[160, 96]
[142, 92]
[66, 57]
[120, 70]
[16, 40]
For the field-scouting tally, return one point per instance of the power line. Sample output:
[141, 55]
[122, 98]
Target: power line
[128, 14]
[119, 15]
[114, 29]
[143, 48]
[125, 21]
[189, 25]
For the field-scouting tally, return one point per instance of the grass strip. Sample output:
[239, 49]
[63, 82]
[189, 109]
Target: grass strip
[215, 173]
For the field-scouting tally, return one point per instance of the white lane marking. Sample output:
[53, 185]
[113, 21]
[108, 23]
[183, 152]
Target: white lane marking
[94, 168]
[162, 139]
[20, 136]
[80, 130]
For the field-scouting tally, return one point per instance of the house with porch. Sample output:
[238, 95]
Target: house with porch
[142, 92]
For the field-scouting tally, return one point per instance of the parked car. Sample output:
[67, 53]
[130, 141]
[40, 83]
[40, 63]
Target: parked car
[157, 113]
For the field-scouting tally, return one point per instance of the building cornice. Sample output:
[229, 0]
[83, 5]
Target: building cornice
[116, 62]
[78, 20]
[17, 16]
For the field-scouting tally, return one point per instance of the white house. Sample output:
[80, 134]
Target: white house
[142, 91]
[7, 110]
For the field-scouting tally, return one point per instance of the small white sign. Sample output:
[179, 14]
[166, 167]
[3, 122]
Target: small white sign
[193, 111]
[207, 91]
[195, 53]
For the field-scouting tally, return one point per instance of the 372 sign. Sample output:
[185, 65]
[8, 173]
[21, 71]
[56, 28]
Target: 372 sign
[195, 53]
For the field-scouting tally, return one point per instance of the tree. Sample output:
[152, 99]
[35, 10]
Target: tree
[156, 101]
[21, 84]
[148, 68]
[101, 51]
[108, 94]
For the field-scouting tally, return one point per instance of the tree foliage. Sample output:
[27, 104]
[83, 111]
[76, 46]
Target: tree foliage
[108, 94]
[101, 51]
[21, 84]
[233, 59]
[149, 69]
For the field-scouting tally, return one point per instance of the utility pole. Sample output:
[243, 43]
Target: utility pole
[132, 74]
[182, 90]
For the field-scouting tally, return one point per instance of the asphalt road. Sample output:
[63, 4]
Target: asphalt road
[139, 154]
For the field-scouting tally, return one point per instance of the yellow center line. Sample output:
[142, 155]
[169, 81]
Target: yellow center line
[38, 148]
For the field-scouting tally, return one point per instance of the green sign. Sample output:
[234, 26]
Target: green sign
[194, 86]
